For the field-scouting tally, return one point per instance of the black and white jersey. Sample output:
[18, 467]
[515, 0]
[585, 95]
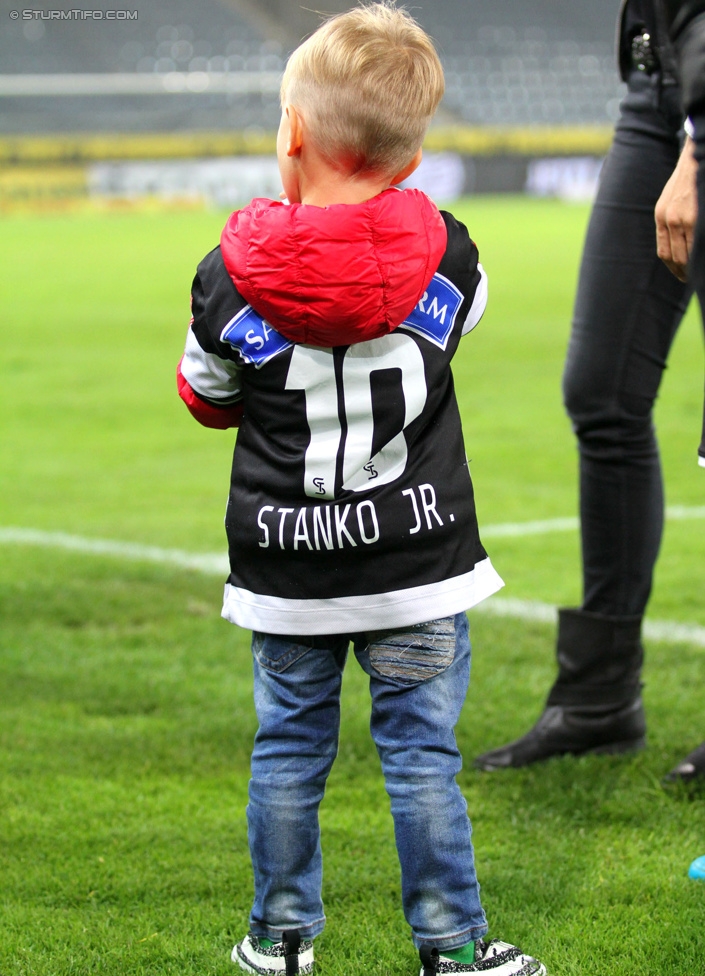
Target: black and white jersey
[351, 506]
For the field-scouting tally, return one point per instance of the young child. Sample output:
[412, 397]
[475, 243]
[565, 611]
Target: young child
[325, 326]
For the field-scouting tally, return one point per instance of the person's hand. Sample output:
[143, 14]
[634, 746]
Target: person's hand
[676, 213]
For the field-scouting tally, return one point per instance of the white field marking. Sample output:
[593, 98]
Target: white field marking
[685, 512]
[212, 562]
[216, 564]
[504, 606]
[674, 513]
[516, 529]
[663, 631]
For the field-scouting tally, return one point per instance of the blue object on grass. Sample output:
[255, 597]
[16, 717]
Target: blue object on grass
[697, 869]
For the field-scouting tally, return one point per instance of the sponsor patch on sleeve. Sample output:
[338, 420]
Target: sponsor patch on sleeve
[253, 337]
[434, 315]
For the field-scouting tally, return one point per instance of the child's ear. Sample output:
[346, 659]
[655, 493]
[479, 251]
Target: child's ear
[295, 137]
[408, 169]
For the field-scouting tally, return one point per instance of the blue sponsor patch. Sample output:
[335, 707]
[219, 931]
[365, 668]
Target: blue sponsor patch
[254, 338]
[434, 316]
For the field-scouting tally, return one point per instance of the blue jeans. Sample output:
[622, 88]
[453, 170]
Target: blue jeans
[418, 682]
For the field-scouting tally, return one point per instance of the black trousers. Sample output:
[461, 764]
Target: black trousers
[627, 309]
[697, 269]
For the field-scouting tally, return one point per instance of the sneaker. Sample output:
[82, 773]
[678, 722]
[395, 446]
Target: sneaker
[292, 955]
[495, 957]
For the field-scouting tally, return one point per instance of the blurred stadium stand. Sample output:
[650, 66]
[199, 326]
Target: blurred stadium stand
[538, 76]
[169, 36]
[508, 62]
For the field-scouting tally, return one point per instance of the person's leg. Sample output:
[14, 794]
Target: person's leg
[418, 682]
[297, 699]
[627, 310]
[628, 307]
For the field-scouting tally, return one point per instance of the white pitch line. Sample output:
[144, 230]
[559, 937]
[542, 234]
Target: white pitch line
[675, 513]
[517, 529]
[211, 562]
[504, 606]
[663, 631]
[216, 564]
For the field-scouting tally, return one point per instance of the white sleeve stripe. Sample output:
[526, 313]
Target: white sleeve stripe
[209, 375]
[479, 303]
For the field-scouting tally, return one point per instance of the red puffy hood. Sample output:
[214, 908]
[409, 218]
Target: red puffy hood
[331, 276]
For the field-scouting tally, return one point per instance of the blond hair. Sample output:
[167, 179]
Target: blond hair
[368, 82]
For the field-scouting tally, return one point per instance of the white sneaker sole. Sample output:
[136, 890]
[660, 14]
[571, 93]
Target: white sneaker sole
[264, 965]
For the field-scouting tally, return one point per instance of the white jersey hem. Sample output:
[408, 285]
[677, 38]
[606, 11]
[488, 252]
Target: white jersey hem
[352, 614]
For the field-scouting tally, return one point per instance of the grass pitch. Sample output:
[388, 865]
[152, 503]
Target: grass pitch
[125, 713]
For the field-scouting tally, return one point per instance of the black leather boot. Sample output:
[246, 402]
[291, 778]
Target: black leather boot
[691, 769]
[595, 703]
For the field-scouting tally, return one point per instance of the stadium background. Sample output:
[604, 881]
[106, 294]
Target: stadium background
[180, 101]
